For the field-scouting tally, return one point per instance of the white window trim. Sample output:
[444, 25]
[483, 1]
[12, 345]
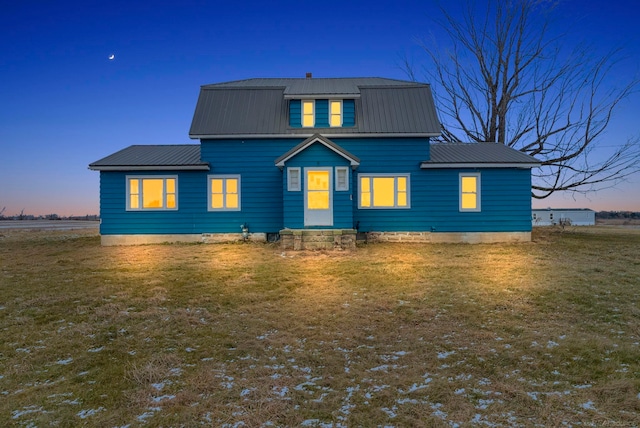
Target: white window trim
[346, 179]
[224, 177]
[395, 196]
[313, 113]
[290, 187]
[341, 113]
[128, 178]
[478, 207]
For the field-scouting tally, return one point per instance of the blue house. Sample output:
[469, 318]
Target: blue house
[315, 163]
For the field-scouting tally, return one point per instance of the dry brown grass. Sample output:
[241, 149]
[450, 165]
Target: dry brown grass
[544, 333]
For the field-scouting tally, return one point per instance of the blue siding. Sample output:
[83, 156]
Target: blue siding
[348, 113]
[295, 113]
[267, 206]
[322, 114]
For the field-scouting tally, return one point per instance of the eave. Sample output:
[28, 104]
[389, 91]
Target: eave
[451, 165]
[149, 168]
[308, 135]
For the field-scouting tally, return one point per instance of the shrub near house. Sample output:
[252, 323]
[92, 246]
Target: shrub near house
[314, 161]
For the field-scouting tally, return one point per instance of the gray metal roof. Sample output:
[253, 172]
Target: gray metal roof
[456, 155]
[259, 107]
[153, 157]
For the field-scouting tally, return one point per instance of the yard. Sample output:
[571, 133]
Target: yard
[545, 333]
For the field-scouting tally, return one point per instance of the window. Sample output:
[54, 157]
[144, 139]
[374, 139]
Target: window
[308, 108]
[335, 113]
[152, 193]
[384, 191]
[224, 193]
[293, 179]
[470, 192]
[342, 178]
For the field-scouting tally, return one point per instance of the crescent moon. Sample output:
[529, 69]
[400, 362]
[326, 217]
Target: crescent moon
[112, 56]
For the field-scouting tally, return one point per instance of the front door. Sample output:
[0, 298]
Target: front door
[318, 200]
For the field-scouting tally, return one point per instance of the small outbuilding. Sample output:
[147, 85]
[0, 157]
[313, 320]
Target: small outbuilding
[563, 216]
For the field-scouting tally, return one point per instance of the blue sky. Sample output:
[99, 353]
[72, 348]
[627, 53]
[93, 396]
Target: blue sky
[64, 104]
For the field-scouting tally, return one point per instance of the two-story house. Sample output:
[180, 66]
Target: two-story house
[315, 161]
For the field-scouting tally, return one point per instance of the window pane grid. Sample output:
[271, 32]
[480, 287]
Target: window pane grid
[224, 193]
[336, 113]
[470, 192]
[384, 192]
[153, 193]
[307, 113]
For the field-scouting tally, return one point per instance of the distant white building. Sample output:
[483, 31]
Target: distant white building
[568, 216]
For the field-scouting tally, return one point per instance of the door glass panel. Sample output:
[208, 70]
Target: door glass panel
[318, 180]
[318, 190]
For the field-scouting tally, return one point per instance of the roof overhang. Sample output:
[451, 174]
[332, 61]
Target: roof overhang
[317, 138]
[301, 135]
[432, 165]
[149, 168]
[349, 96]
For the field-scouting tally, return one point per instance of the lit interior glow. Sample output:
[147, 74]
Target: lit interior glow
[383, 191]
[224, 193]
[152, 191]
[469, 194]
[134, 193]
[307, 113]
[402, 191]
[365, 192]
[318, 190]
[336, 113]
[171, 192]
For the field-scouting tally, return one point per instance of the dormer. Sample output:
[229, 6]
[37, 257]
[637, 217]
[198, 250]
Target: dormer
[322, 113]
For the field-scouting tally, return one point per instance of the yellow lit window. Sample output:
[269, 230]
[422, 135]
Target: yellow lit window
[224, 193]
[307, 113]
[384, 191]
[470, 192]
[157, 193]
[335, 107]
[317, 190]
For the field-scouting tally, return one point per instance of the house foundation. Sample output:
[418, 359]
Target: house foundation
[318, 239]
[448, 237]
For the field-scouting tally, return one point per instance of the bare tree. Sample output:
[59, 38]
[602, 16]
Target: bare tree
[503, 77]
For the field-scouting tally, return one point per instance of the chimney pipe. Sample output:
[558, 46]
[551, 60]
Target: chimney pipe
[309, 75]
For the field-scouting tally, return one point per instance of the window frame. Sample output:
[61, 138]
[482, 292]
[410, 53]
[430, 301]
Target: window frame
[407, 176]
[331, 114]
[339, 188]
[140, 179]
[223, 177]
[290, 187]
[313, 113]
[478, 192]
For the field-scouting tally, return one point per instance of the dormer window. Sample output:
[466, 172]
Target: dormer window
[308, 116]
[335, 113]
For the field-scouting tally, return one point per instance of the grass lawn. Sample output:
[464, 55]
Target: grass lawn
[545, 333]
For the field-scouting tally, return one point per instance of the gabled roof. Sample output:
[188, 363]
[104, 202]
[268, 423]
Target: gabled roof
[317, 138]
[477, 155]
[153, 157]
[259, 108]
